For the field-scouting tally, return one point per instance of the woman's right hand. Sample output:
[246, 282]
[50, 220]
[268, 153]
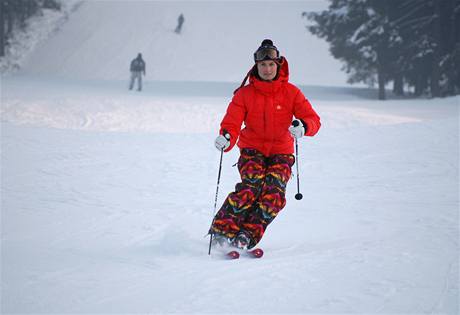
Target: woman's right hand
[222, 142]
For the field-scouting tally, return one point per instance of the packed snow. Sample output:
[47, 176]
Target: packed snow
[107, 194]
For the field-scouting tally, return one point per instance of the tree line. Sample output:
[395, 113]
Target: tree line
[15, 13]
[414, 44]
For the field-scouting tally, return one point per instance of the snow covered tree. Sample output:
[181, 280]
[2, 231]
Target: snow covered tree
[430, 31]
[14, 14]
[408, 42]
[361, 35]
[2, 30]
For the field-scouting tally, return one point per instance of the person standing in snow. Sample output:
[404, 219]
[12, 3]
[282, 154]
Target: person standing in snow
[137, 68]
[180, 21]
[266, 106]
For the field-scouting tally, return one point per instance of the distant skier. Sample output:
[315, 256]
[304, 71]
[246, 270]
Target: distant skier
[180, 21]
[137, 68]
[266, 106]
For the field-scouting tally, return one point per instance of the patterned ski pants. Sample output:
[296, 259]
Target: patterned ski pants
[258, 198]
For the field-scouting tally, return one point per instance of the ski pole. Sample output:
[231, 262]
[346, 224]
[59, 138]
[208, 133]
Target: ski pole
[227, 136]
[298, 196]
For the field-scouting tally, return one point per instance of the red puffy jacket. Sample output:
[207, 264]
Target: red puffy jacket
[267, 110]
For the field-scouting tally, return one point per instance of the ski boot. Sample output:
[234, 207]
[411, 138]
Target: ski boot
[241, 241]
[219, 240]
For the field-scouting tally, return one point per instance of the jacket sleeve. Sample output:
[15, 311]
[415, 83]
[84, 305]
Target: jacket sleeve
[305, 112]
[234, 117]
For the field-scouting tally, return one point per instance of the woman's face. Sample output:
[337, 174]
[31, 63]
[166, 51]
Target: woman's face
[267, 69]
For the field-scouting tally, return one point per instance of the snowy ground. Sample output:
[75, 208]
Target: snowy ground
[106, 196]
[105, 202]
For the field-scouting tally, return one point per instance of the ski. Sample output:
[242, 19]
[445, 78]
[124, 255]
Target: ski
[233, 255]
[255, 253]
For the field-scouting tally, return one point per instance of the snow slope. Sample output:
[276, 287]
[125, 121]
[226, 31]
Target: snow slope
[106, 195]
[216, 44]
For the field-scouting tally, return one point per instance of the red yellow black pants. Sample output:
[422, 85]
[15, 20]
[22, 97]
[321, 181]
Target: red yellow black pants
[258, 198]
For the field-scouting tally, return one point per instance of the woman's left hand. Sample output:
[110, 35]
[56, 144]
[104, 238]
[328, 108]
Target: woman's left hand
[297, 129]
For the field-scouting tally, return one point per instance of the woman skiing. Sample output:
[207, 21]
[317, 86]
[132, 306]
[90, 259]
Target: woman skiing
[266, 106]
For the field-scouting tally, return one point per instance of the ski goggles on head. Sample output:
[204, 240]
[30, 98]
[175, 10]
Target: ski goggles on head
[266, 53]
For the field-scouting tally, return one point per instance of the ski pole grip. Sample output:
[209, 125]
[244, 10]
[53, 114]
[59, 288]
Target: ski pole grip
[295, 123]
[226, 134]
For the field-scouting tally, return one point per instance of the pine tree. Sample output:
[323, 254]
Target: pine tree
[15, 13]
[362, 36]
[410, 42]
[2, 28]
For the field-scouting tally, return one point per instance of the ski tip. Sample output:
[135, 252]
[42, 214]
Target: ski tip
[233, 255]
[257, 253]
